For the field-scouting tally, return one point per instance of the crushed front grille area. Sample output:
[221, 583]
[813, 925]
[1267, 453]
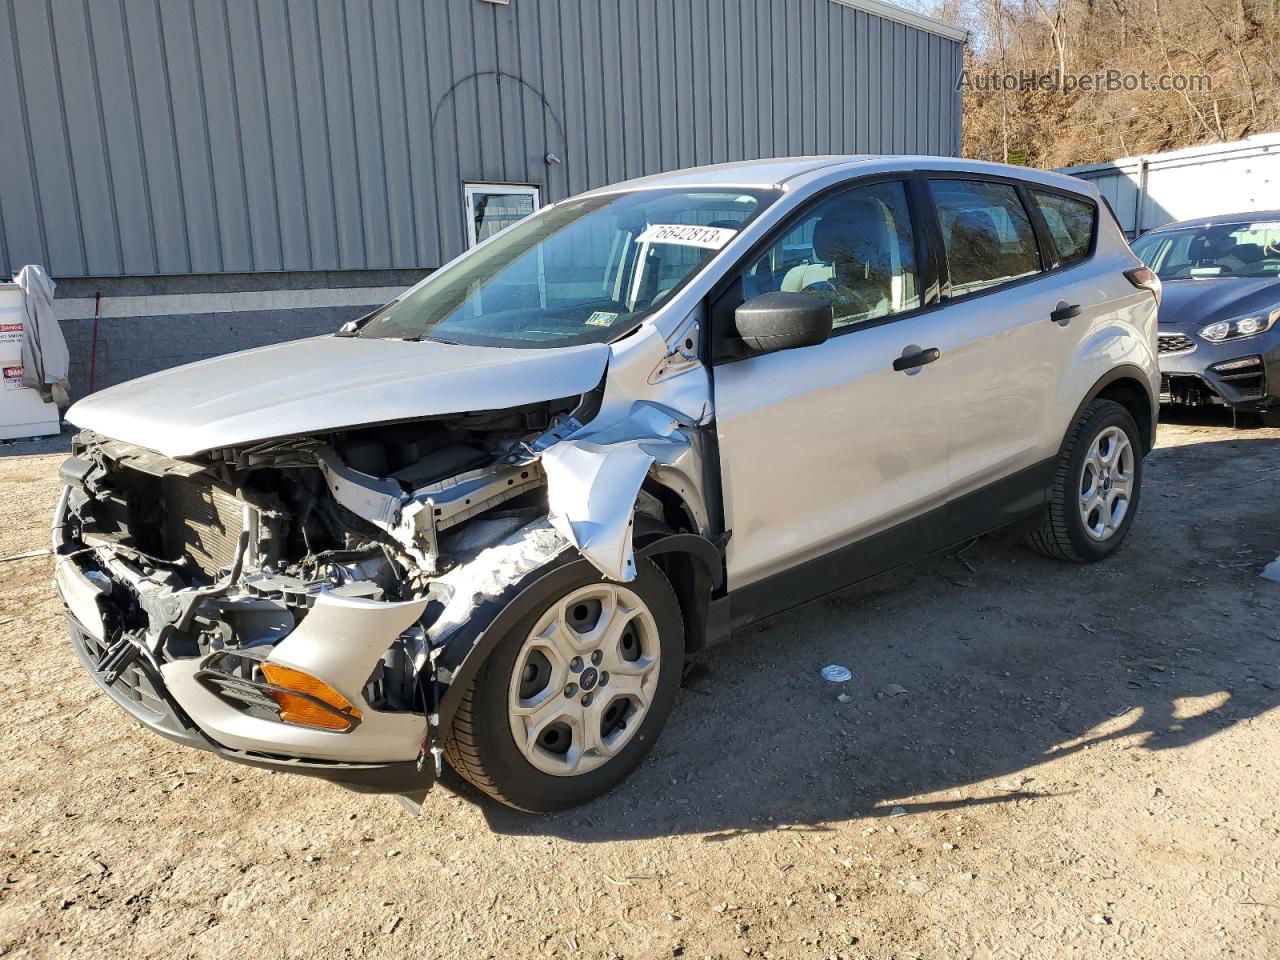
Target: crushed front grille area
[201, 523]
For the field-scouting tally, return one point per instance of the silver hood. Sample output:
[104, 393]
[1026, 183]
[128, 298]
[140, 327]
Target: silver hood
[328, 383]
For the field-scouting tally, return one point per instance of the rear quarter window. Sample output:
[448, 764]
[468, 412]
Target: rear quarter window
[1071, 223]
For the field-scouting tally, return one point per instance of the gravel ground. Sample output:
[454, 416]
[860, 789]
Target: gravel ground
[1084, 763]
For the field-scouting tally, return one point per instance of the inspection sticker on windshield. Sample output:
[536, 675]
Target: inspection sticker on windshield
[710, 238]
[601, 318]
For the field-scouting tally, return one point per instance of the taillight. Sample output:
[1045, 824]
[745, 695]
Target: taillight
[1144, 278]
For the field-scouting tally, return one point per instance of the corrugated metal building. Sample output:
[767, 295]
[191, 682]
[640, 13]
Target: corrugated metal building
[211, 174]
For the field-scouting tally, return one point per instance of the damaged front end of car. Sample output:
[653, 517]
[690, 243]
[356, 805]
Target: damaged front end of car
[315, 603]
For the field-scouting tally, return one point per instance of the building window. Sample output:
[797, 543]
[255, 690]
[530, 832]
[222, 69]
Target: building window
[494, 206]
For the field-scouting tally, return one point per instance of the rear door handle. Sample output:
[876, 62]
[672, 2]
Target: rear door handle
[919, 359]
[1064, 313]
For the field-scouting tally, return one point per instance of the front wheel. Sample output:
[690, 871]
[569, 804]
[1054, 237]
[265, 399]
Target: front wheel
[1096, 487]
[575, 695]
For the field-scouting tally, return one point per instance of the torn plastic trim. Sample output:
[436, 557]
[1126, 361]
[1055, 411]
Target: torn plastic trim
[381, 502]
[465, 648]
[487, 576]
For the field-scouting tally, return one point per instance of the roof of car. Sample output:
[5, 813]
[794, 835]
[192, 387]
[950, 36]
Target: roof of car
[1250, 217]
[778, 171]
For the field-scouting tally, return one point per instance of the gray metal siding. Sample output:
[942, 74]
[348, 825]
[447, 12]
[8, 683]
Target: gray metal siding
[151, 137]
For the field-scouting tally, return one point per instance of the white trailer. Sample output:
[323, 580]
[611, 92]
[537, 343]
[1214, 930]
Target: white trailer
[1219, 178]
[23, 412]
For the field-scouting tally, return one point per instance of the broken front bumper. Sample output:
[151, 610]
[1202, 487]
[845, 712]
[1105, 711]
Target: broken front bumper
[339, 641]
[1236, 373]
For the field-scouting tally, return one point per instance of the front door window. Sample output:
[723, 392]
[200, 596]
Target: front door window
[854, 250]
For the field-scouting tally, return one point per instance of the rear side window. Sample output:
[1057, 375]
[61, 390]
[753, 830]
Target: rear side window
[987, 234]
[1070, 222]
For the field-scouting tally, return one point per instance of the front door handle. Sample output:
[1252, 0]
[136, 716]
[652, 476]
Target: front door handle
[910, 361]
[1064, 313]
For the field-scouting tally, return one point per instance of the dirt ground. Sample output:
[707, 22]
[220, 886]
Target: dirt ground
[1085, 763]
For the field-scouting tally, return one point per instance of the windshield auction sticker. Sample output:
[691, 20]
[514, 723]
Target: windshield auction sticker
[709, 238]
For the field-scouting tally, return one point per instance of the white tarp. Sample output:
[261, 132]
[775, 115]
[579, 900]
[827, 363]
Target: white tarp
[45, 361]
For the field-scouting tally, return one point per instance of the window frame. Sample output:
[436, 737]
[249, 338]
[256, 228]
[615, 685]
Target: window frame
[1050, 261]
[1038, 230]
[931, 256]
[1066, 195]
[472, 187]
[727, 295]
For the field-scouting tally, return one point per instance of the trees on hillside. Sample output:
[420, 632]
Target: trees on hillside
[1058, 82]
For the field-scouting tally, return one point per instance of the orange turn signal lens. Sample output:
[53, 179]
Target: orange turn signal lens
[298, 695]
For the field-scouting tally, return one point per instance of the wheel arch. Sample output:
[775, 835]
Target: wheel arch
[692, 564]
[1128, 386]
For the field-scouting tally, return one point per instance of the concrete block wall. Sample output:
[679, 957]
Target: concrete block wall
[130, 347]
[151, 324]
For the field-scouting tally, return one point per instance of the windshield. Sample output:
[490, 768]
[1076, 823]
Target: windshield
[583, 271]
[1243, 249]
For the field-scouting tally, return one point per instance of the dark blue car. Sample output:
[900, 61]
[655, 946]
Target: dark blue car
[1219, 342]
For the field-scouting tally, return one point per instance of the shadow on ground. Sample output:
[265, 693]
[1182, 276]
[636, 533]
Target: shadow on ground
[1009, 661]
[38, 446]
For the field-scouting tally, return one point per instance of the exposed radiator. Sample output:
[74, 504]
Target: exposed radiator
[201, 522]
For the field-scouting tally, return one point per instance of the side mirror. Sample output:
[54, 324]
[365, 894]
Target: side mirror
[781, 321]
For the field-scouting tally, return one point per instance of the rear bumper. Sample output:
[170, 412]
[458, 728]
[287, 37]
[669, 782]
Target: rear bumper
[141, 693]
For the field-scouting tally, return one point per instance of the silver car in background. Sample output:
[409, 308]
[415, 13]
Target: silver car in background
[489, 522]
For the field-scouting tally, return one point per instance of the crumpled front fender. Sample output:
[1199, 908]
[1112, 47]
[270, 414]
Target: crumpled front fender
[594, 475]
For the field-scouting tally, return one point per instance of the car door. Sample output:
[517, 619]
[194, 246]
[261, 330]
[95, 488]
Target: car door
[1006, 355]
[826, 446]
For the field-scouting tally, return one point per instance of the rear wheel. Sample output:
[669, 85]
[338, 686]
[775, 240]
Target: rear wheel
[574, 696]
[1096, 488]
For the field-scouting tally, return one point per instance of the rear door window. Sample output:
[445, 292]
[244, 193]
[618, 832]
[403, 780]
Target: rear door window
[1070, 222]
[986, 233]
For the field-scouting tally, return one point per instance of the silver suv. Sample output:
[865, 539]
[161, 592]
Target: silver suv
[489, 522]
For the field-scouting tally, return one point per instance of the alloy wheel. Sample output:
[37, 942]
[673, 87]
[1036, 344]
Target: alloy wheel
[1106, 483]
[584, 679]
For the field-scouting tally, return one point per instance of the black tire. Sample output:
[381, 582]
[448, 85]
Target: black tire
[480, 745]
[1061, 534]
[1270, 417]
